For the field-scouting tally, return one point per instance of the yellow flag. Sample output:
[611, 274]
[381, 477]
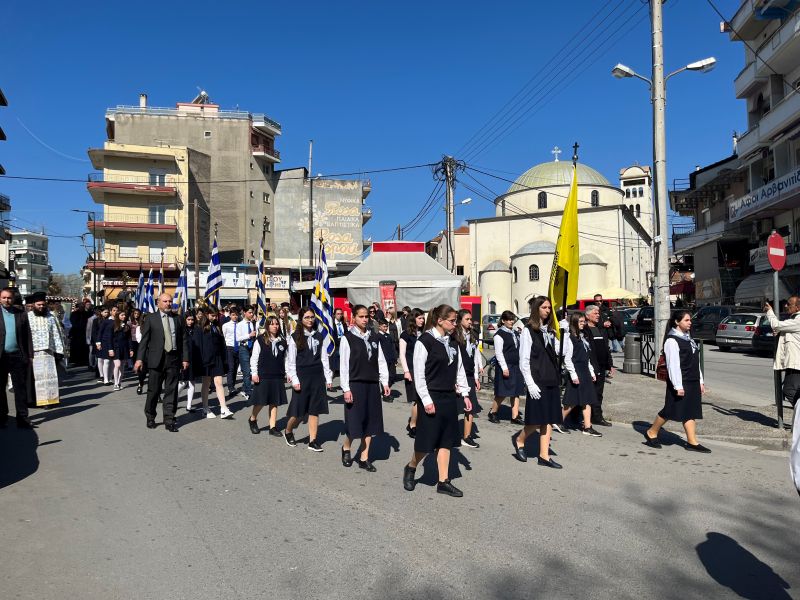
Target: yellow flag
[566, 262]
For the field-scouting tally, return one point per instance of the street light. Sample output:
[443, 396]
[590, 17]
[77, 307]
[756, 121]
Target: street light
[91, 216]
[657, 87]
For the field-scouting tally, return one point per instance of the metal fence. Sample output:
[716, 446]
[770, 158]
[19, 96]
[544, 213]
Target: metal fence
[649, 358]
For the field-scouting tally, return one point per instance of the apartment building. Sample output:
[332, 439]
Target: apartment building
[29, 259]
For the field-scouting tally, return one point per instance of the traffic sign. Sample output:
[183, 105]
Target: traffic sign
[776, 251]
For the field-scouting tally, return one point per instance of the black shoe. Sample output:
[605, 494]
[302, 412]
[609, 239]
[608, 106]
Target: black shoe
[314, 446]
[470, 443]
[519, 452]
[347, 460]
[253, 426]
[109, 383]
[289, 437]
[139, 390]
[591, 431]
[412, 431]
[548, 463]
[24, 423]
[518, 420]
[274, 431]
[151, 424]
[493, 418]
[367, 466]
[171, 427]
[652, 442]
[602, 422]
[409, 483]
[388, 399]
[697, 448]
[445, 487]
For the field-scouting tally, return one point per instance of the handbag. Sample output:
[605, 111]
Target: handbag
[661, 368]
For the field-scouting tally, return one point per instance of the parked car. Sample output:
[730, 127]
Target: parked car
[628, 317]
[737, 331]
[643, 322]
[707, 318]
[491, 323]
[764, 340]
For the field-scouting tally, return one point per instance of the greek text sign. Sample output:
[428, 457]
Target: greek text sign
[765, 196]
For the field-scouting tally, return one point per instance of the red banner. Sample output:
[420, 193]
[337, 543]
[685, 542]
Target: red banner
[388, 302]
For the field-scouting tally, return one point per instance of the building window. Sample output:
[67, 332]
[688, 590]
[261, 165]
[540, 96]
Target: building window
[251, 166]
[635, 195]
[641, 192]
[533, 273]
[542, 199]
[157, 178]
[265, 197]
[460, 270]
[515, 274]
[631, 208]
[628, 193]
[266, 255]
[128, 248]
[595, 198]
[492, 307]
[157, 215]
[268, 226]
[638, 211]
[206, 134]
[252, 222]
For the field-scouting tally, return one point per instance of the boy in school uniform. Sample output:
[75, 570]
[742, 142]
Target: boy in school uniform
[389, 352]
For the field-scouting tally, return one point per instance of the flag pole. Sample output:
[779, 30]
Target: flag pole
[566, 281]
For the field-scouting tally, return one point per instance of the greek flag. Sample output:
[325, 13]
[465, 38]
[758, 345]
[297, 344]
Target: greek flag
[321, 300]
[148, 302]
[261, 290]
[137, 299]
[180, 300]
[214, 279]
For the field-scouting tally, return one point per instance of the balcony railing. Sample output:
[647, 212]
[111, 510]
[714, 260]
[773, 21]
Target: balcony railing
[263, 148]
[682, 231]
[5, 203]
[157, 181]
[261, 117]
[172, 112]
[366, 214]
[135, 219]
[123, 256]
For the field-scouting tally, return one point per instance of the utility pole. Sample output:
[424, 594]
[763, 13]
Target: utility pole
[196, 251]
[446, 171]
[661, 287]
[399, 232]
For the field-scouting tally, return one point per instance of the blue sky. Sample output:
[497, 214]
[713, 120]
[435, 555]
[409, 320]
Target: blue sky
[375, 84]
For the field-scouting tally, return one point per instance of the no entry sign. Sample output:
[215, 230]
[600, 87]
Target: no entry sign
[776, 251]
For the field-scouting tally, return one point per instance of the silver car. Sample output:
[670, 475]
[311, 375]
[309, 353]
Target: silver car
[736, 331]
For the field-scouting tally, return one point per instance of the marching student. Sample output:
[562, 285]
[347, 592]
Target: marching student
[473, 367]
[231, 347]
[389, 352]
[245, 336]
[121, 349]
[580, 390]
[414, 329]
[287, 325]
[307, 365]
[103, 341]
[685, 387]
[508, 381]
[268, 373]
[338, 330]
[439, 378]
[211, 345]
[362, 369]
[193, 371]
[538, 361]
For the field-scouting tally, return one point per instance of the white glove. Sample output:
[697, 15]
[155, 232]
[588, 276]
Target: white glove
[535, 392]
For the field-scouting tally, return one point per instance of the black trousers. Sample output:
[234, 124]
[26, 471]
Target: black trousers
[233, 366]
[14, 364]
[791, 385]
[599, 384]
[165, 374]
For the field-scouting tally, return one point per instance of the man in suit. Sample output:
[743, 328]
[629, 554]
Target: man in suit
[16, 350]
[166, 351]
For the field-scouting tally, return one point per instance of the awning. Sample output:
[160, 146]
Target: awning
[618, 294]
[682, 287]
[757, 288]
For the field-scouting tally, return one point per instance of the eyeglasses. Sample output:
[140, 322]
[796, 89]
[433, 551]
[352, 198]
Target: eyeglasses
[449, 320]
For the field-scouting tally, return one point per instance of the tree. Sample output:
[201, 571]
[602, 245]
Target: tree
[65, 284]
[53, 286]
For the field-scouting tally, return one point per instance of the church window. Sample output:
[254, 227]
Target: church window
[595, 198]
[492, 307]
[542, 199]
[634, 193]
[641, 192]
[515, 274]
[638, 211]
[533, 273]
[628, 193]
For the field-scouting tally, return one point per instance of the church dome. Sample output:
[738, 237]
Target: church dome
[591, 259]
[540, 247]
[496, 265]
[557, 172]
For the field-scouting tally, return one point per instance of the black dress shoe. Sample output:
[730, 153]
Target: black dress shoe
[253, 426]
[274, 431]
[651, 442]
[151, 424]
[24, 423]
[601, 421]
[518, 420]
[409, 483]
[445, 487]
[548, 463]
[493, 418]
[347, 460]
[519, 452]
[388, 399]
[697, 448]
[171, 427]
[139, 390]
[367, 466]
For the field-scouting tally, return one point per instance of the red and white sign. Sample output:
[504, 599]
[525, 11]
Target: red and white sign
[388, 302]
[776, 251]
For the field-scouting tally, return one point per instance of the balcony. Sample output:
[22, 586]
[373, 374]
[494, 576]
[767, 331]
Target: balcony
[141, 223]
[138, 185]
[366, 242]
[150, 153]
[688, 237]
[749, 80]
[116, 259]
[366, 188]
[266, 125]
[783, 115]
[366, 215]
[266, 152]
[5, 203]
[780, 50]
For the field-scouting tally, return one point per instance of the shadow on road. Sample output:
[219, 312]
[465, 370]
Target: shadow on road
[739, 569]
[667, 438]
[750, 416]
[18, 457]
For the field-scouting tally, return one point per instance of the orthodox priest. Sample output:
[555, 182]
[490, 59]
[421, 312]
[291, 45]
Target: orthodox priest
[48, 348]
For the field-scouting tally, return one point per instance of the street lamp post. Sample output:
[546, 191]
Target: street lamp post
[658, 98]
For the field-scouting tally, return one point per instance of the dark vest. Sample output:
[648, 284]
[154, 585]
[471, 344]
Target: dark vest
[308, 361]
[411, 340]
[389, 351]
[469, 359]
[690, 361]
[440, 374]
[601, 355]
[362, 367]
[510, 350]
[579, 354]
[544, 362]
[269, 366]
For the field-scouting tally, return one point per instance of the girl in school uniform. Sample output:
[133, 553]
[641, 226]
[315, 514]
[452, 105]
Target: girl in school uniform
[121, 346]
[287, 325]
[210, 344]
[439, 378]
[685, 387]
[104, 343]
[363, 372]
[580, 389]
[268, 373]
[307, 365]
[191, 373]
[538, 361]
[473, 367]
[508, 381]
[414, 329]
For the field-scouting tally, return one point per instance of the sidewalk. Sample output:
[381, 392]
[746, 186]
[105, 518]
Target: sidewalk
[631, 399]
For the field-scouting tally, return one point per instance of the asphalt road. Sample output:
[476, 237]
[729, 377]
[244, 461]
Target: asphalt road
[97, 506]
[739, 376]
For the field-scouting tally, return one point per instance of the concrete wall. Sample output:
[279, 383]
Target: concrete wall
[495, 287]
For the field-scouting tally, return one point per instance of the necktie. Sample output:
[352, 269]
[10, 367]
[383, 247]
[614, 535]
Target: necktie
[445, 341]
[235, 336]
[167, 333]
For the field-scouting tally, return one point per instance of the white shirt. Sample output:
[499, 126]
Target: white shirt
[477, 357]
[228, 333]
[291, 363]
[243, 329]
[344, 365]
[672, 354]
[568, 359]
[498, 348]
[525, 345]
[257, 353]
[89, 324]
[421, 357]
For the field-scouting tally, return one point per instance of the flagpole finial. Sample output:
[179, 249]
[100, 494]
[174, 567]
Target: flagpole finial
[575, 153]
[215, 229]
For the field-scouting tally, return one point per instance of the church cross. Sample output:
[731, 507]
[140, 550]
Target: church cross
[555, 152]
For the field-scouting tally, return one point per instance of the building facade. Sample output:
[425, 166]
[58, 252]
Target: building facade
[29, 259]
